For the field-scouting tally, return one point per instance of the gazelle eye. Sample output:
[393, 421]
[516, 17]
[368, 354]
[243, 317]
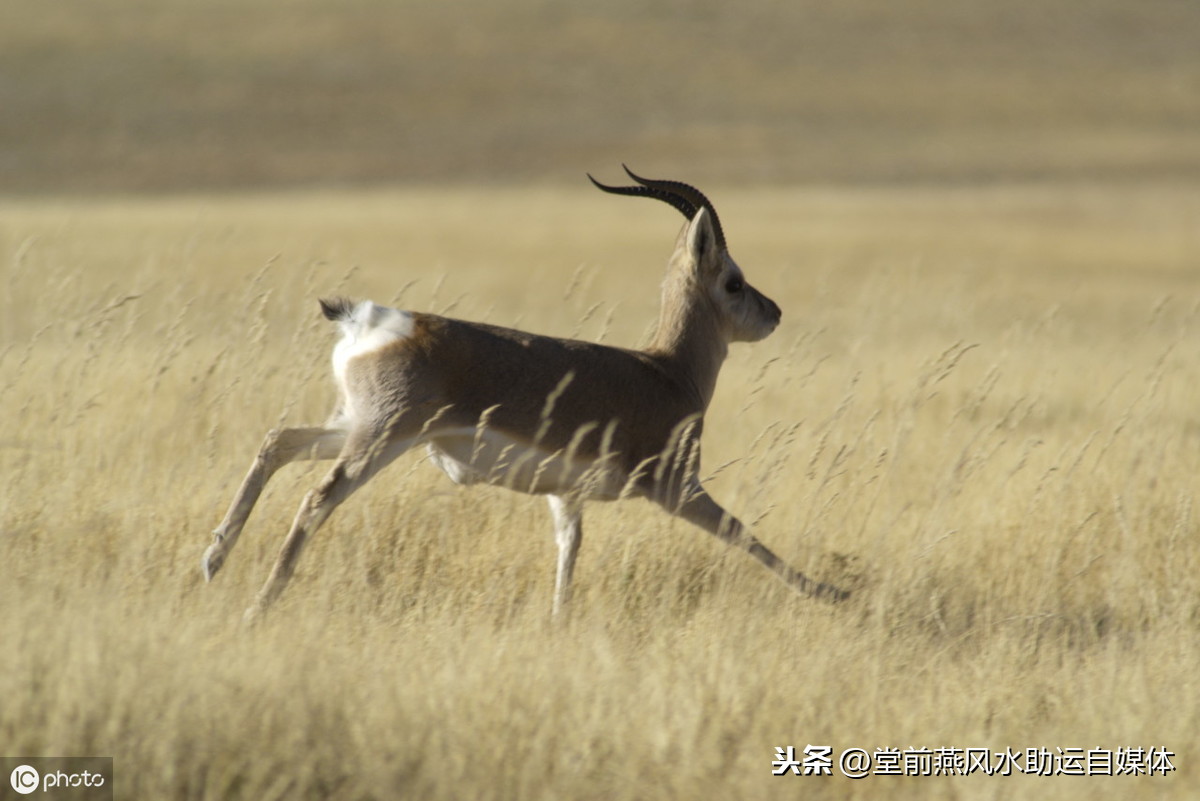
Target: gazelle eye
[734, 285]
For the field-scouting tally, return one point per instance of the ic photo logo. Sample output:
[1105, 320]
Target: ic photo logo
[24, 779]
[72, 778]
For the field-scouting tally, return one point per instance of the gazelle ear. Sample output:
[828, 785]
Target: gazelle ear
[702, 240]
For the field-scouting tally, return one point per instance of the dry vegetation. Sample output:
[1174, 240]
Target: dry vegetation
[980, 407]
[145, 94]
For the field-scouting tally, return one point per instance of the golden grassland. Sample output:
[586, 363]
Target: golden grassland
[980, 412]
[128, 95]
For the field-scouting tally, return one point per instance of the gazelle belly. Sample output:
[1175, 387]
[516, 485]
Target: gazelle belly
[489, 456]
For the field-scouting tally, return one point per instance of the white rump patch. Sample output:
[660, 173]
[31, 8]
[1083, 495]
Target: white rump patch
[369, 328]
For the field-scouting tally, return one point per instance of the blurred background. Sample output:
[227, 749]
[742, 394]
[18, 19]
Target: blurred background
[102, 96]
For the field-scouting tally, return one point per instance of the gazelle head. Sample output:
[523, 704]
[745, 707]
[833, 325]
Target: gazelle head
[701, 266]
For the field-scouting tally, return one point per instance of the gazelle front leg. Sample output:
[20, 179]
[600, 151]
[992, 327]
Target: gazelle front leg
[280, 447]
[568, 531]
[698, 507]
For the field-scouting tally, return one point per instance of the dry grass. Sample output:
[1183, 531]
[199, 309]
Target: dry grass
[981, 404]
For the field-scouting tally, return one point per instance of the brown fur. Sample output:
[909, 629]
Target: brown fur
[570, 419]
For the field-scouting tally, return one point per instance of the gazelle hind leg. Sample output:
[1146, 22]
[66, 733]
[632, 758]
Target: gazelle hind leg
[568, 531]
[364, 455]
[279, 447]
[699, 508]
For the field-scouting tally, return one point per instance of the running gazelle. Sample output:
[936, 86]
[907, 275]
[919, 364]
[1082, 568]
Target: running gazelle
[570, 420]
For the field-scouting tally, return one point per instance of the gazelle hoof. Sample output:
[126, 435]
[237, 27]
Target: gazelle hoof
[828, 592]
[212, 560]
[253, 615]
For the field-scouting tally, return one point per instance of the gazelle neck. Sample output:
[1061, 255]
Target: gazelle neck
[689, 339]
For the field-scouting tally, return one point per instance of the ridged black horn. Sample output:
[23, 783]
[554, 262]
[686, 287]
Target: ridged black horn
[688, 193]
[685, 206]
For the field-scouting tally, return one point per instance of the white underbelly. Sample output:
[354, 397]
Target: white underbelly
[471, 456]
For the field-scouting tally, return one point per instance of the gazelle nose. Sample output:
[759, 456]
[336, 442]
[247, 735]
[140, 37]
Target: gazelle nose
[773, 309]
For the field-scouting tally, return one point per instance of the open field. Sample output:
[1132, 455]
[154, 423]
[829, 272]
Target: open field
[980, 410]
[119, 95]
[982, 222]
